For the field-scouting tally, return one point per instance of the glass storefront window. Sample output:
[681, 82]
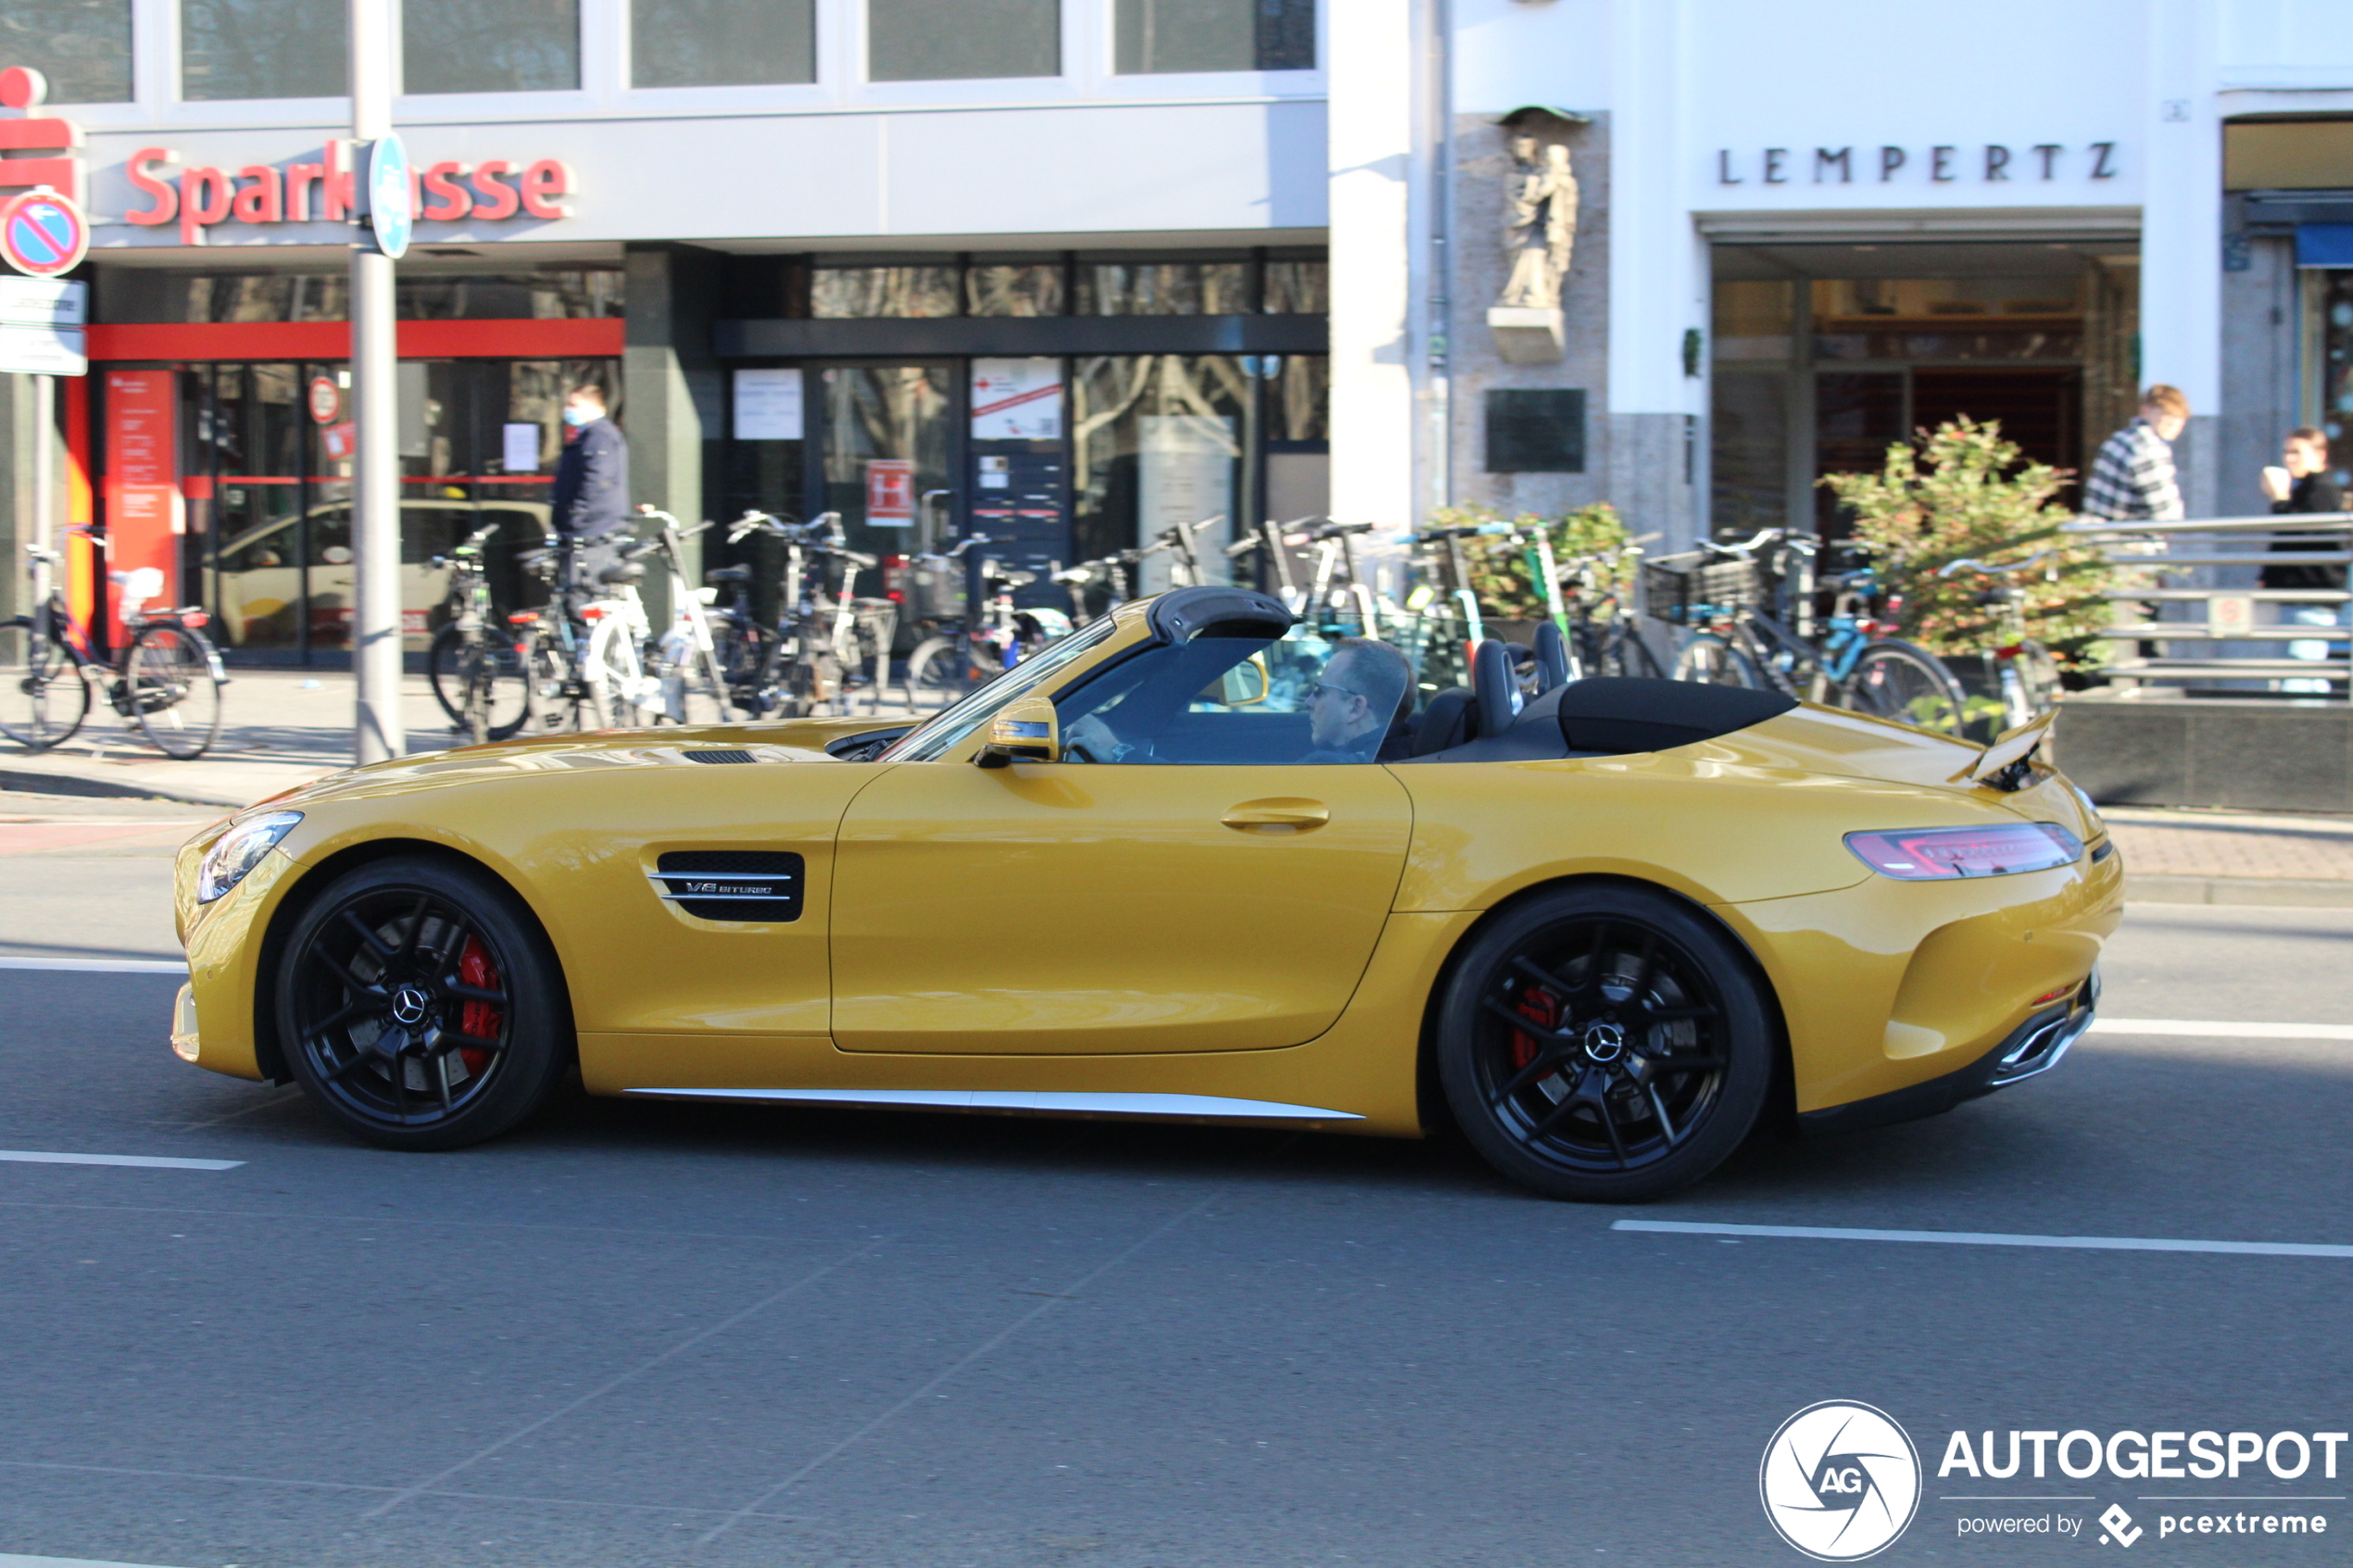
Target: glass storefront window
[490, 45]
[155, 294]
[885, 445]
[1156, 441]
[951, 40]
[1021, 288]
[1298, 288]
[262, 49]
[851, 292]
[82, 46]
[2336, 290]
[1163, 288]
[270, 505]
[1299, 392]
[1994, 318]
[1174, 35]
[721, 43]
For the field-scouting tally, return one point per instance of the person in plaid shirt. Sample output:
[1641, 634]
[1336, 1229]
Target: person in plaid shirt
[2132, 478]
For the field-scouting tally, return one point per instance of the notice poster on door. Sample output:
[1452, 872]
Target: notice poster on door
[890, 493]
[1017, 399]
[1185, 473]
[144, 516]
[520, 448]
[767, 404]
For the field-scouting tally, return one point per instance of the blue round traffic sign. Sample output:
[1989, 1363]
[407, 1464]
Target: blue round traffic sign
[389, 195]
[43, 233]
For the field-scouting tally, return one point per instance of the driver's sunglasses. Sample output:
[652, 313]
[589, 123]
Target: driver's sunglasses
[1321, 687]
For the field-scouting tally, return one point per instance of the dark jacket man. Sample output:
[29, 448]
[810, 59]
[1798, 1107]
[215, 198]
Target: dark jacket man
[592, 481]
[2313, 490]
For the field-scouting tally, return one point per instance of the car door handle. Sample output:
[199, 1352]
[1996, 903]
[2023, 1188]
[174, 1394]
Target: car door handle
[1278, 816]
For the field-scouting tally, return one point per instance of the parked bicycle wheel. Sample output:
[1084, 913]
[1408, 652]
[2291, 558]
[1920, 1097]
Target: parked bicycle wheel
[741, 650]
[448, 668]
[1620, 651]
[1714, 663]
[43, 696]
[1894, 680]
[2028, 682]
[936, 672]
[171, 688]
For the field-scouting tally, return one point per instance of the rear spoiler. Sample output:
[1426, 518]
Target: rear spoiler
[2005, 764]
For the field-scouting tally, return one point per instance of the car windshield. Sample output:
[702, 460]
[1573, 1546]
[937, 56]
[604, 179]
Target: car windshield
[942, 734]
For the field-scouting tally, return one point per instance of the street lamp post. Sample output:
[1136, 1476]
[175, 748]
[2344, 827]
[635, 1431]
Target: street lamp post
[375, 476]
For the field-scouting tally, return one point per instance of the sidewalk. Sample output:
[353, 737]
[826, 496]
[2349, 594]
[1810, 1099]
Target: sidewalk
[2171, 857]
[280, 728]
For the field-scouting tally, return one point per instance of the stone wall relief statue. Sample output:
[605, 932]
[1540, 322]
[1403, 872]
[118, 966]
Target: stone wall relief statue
[1539, 214]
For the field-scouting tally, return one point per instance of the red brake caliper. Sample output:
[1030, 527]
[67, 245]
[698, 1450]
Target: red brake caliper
[479, 1018]
[1538, 1006]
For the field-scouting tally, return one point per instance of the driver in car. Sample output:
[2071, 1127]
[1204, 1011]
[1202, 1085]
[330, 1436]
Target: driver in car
[1349, 710]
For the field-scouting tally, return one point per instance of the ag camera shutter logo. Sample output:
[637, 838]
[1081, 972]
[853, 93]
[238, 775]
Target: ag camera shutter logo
[1840, 1481]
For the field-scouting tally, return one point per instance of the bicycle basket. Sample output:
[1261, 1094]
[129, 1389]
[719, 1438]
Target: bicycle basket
[1687, 589]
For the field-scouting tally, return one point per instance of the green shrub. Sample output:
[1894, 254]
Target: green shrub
[1498, 569]
[1963, 493]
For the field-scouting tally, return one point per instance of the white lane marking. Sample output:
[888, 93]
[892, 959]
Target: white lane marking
[10, 1559]
[2208, 1029]
[1994, 1238]
[93, 966]
[143, 1161]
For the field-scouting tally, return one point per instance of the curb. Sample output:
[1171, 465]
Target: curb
[2274, 892]
[35, 781]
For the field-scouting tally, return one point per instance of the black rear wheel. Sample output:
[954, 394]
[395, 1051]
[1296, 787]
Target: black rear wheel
[43, 696]
[1712, 661]
[420, 1008]
[1606, 1044]
[1895, 680]
[172, 684]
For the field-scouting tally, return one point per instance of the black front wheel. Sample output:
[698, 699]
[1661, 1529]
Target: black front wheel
[43, 696]
[420, 1008]
[1606, 1044]
[170, 685]
[1900, 681]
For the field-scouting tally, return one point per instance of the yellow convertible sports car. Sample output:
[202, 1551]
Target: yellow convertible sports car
[1192, 862]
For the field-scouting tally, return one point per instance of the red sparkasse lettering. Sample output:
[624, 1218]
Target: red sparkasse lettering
[258, 202]
[548, 177]
[204, 199]
[301, 177]
[497, 199]
[449, 201]
[337, 187]
[166, 200]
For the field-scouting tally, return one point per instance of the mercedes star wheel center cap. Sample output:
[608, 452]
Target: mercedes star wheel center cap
[410, 1005]
[1604, 1041]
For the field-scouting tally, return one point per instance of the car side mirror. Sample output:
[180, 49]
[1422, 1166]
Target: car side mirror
[1247, 684]
[1026, 729]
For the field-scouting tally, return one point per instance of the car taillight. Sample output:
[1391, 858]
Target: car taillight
[1946, 854]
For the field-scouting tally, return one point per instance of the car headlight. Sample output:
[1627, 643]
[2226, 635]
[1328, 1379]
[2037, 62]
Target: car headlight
[236, 852]
[1948, 854]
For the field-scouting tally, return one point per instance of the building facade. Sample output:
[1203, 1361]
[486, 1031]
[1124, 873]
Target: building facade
[1049, 270]
[1069, 272]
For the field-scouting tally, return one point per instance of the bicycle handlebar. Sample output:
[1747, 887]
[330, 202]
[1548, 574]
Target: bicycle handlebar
[1975, 565]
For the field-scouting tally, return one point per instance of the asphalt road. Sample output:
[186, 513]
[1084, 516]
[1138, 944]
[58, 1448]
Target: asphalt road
[667, 1334]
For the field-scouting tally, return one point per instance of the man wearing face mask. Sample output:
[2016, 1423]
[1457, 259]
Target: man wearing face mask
[591, 500]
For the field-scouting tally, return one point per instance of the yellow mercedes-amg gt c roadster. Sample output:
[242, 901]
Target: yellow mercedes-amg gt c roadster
[1193, 862]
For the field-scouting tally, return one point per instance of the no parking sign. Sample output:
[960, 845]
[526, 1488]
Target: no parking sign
[43, 234]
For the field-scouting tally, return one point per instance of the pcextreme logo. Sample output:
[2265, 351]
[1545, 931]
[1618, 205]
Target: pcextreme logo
[1841, 1481]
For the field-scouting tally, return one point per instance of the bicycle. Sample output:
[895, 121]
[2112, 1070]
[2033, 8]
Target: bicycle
[1740, 643]
[167, 679]
[946, 665]
[2020, 669]
[788, 671]
[685, 658]
[551, 644]
[1604, 634]
[477, 675]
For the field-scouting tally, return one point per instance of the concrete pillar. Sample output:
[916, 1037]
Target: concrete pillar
[669, 293]
[1658, 280]
[2182, 234]
[1379, 262]
[17, 437]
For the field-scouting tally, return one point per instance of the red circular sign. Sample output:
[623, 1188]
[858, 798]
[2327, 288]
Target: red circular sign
[43, 235]
[326, 400]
